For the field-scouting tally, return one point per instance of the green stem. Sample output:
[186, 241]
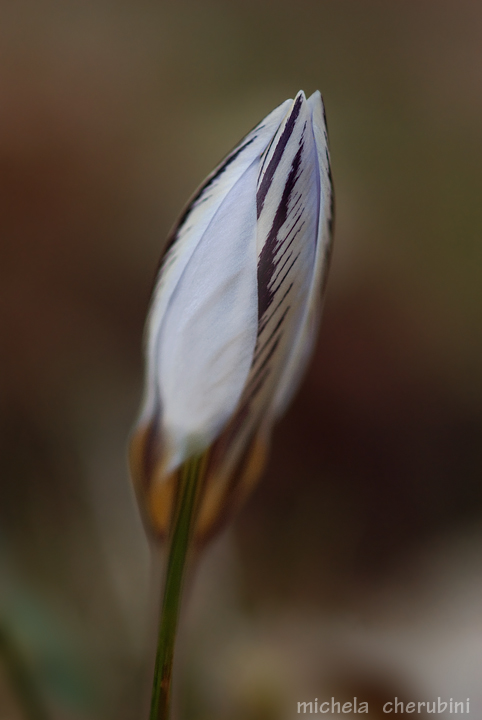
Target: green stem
[21, 679]
[178, 550]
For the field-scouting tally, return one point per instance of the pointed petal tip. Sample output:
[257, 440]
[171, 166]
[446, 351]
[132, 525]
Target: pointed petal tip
[315, 101]
[298, 102]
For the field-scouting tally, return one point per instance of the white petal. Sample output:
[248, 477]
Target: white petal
[189, 232]
[205, 345]
[303, 343]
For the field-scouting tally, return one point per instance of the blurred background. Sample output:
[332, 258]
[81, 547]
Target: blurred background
[355, 567]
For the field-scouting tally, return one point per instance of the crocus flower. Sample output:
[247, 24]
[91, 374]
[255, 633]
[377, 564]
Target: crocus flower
[234, 314]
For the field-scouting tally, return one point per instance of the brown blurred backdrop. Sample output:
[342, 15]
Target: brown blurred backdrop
[354, 568]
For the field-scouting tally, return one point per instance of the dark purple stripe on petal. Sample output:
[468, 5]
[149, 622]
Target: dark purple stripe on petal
[277, 155]
[266, 264]
[285, 275]
[266, 155]
[273, 333]
[265, 321]
[288, 245]
[265, 362]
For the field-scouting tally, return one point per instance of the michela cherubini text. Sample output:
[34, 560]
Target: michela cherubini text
[451, 706]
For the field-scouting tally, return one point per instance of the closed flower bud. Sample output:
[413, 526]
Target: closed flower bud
[234, 314]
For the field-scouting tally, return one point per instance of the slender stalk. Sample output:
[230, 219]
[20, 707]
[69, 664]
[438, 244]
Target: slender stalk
[20, 679]
[184, 518]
